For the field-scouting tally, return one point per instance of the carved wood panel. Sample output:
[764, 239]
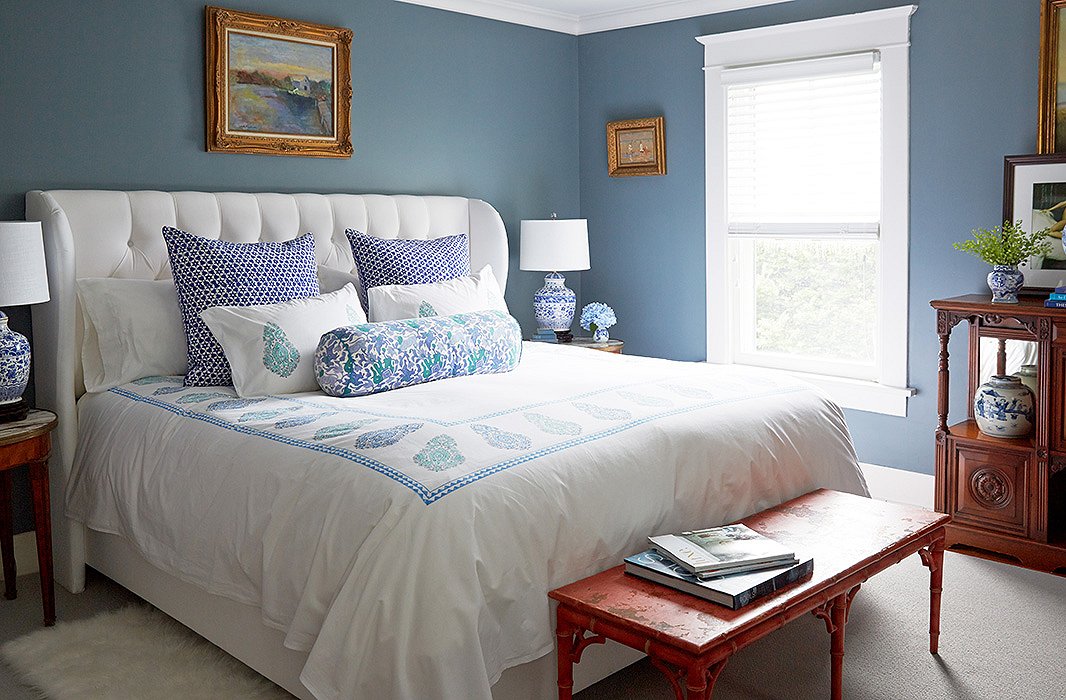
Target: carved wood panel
[991, 488]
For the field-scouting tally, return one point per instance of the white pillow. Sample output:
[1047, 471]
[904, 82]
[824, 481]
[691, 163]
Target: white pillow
[132, 329]
[477, 292]
[271, 348]
[331, 280]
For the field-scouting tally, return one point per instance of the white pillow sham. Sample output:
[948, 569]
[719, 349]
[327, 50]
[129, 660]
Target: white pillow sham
[330, 280]
[131, 329]
[477, 292]
[271, 348]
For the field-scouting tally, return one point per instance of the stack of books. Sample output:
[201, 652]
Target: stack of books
[731, 565]
[1057, 299]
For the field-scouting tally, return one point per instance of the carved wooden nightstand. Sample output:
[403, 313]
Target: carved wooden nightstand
[611, 345]
[28, 442]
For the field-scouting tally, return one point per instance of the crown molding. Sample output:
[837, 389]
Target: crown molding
[567, 23]
[504, 11]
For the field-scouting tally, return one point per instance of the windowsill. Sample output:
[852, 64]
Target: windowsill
[857, 394]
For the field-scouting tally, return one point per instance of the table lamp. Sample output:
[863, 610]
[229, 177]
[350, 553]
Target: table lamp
[23, 280]
[550, 245]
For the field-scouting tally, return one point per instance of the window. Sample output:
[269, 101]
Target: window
[807, 203]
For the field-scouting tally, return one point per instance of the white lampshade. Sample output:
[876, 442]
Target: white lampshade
[23, 278]
[554, 245]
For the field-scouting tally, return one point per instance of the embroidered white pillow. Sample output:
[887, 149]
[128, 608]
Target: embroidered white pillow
[271, 348]
[477, 292]
[131, 329]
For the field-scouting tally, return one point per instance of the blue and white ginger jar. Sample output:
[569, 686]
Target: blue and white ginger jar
[1005, 281]
[1003, 407]
[554, 304]
[14, 363]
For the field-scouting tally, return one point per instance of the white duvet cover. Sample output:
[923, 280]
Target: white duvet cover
[406, 540]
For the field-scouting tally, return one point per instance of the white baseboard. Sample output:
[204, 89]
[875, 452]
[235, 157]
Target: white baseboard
[898, 485]
[25, 554]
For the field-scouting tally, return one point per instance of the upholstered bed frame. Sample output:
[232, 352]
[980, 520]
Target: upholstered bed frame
[97, 233]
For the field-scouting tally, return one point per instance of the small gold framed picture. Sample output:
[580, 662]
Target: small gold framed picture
[277, 86]
[636, 147]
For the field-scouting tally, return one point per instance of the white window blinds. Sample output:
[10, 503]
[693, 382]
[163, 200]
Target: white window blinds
[804, 148]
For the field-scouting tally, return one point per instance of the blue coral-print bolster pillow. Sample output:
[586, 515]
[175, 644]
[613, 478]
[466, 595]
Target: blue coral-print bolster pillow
[374, 357]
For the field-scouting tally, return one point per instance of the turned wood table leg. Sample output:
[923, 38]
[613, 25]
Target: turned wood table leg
[7, 538]
[943, 380]
[42, 519]
[933, 558]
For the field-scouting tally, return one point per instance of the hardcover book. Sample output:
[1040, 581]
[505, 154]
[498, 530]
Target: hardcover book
[734, 591]
[720, 549]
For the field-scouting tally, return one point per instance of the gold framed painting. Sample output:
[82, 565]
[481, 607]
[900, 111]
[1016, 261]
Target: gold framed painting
[1051, 136]
[636, 147]
[277, 86]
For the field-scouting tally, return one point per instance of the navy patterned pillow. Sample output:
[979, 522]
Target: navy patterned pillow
[407, 260]
[210, 273]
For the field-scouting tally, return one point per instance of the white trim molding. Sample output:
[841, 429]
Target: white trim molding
[626, 15]
[887, 32]
[25, 554]
[899, 485]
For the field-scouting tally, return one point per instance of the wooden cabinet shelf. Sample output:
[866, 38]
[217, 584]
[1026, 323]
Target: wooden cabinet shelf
[968, 430]
[1006, 496]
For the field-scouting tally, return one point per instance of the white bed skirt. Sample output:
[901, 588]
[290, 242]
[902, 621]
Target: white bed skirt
[237, 629]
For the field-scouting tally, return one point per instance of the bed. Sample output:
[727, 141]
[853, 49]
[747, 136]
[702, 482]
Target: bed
[320, 540]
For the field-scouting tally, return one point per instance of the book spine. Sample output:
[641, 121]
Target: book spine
[1057, 296]
[1053, 304]
[767, 587]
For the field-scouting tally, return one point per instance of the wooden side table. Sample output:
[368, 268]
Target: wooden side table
[28, 442]
[611, 345]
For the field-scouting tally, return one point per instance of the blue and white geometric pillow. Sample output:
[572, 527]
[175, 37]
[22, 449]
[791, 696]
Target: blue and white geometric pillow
[407, 260]
[210, 272]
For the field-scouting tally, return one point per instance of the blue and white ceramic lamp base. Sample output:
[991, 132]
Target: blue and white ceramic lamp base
[554, 306]
[14, 368]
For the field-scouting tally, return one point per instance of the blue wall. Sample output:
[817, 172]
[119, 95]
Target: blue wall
[111, 95]
[973, 100]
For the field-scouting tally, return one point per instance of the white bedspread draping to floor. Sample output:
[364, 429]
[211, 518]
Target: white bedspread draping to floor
[407, 539]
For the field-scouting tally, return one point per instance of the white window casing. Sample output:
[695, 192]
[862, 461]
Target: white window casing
[832, 46]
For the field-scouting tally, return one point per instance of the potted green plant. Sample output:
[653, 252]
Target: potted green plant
[1003, 247]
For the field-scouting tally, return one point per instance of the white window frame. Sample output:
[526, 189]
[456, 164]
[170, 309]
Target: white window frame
[888, 32]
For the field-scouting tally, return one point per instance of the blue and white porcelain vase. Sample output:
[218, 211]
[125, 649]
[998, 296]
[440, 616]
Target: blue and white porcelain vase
[14, 363]
[1005, 281]
[1003, 407]
[601, 335]
[554, 304]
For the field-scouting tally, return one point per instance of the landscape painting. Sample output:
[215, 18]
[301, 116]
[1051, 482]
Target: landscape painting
[279, 86]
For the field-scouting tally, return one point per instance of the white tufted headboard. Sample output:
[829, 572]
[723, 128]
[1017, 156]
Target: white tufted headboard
[101, 233]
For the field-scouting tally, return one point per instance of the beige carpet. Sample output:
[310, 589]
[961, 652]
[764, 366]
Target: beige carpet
[1003, 637]
[131, 653]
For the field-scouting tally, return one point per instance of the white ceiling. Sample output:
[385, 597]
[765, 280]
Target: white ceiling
[587, 16]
